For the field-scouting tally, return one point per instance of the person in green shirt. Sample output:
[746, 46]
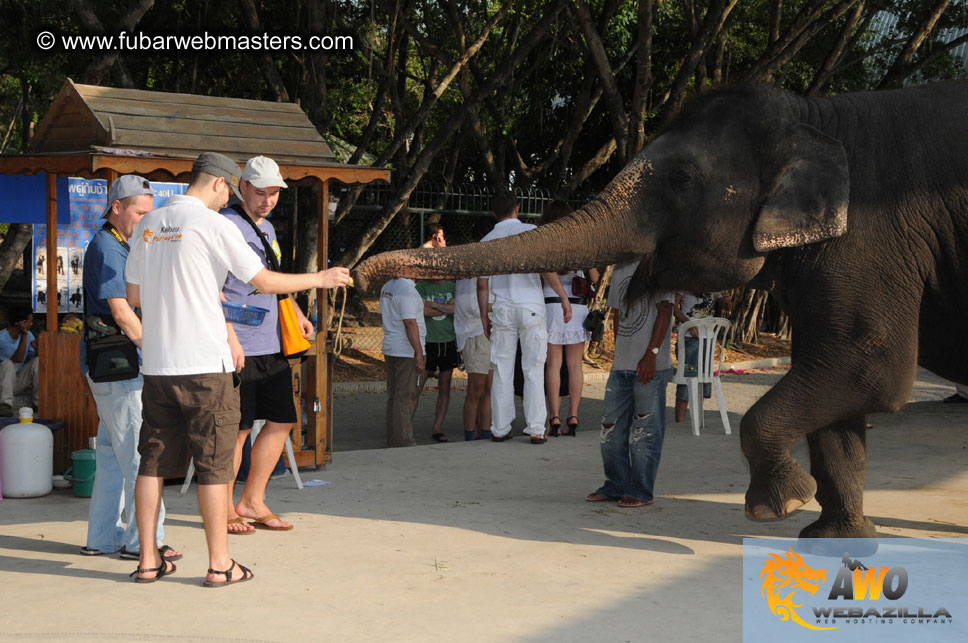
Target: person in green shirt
[441, 344]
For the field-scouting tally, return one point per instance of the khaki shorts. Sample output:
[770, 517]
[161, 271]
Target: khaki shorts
[196, 415]
[477, 355]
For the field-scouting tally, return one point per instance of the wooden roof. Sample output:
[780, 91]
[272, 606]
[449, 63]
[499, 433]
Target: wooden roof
[178, 125]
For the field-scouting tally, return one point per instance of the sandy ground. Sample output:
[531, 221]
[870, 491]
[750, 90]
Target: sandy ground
[473, 541]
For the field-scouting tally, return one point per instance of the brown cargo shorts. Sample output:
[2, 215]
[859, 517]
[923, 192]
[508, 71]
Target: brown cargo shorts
[184, 415]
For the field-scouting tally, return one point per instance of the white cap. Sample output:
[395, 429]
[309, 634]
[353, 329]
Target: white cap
[26, 413]
[263, 172]
[125, 186]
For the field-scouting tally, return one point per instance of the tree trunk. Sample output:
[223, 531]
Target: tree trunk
[19, 235]
[900, 69]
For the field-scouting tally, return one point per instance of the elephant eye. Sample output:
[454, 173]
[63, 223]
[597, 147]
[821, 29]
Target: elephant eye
[679, 178]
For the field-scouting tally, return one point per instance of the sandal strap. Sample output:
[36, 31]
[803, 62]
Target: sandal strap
[245, 570]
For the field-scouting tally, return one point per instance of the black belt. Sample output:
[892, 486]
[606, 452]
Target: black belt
[575, 300]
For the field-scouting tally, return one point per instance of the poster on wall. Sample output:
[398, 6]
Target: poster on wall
[85, 200]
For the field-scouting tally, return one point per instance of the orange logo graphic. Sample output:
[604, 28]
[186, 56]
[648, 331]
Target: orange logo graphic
[148, 234]
[782, 577]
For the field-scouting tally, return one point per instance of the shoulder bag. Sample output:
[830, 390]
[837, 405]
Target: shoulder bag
[293, 342]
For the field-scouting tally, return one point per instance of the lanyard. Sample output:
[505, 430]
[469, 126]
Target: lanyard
[117, 235]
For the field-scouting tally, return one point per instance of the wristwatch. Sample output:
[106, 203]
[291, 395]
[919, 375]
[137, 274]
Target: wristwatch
[655, 350]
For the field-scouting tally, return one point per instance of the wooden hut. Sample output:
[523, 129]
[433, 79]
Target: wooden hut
[102, 132]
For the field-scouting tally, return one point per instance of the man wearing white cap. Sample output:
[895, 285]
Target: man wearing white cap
[118, 400]
[266, 389]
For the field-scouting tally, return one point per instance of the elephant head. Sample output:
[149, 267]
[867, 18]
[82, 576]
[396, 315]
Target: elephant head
[735, 176]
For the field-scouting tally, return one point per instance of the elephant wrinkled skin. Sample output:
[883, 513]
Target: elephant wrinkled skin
[852, 210]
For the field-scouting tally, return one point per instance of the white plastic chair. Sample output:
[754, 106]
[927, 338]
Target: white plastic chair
[256, 427]
[709, 329]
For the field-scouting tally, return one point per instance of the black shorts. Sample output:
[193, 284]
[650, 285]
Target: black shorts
[266, 391]
[441, 356]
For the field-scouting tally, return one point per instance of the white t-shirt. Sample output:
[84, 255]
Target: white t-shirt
[180, 256]
[698, 306]
[400, 300]
[467, 312]
[566, 280]
[636, 321]
[515, 290]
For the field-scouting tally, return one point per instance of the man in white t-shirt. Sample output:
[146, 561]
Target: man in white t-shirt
[518, 314]
[404, 333]
[633, 423]
[180, 256]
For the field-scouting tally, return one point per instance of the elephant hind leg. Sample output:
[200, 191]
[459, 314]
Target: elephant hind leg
[838, 455]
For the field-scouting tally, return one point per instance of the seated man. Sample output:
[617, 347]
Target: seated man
[18, 368]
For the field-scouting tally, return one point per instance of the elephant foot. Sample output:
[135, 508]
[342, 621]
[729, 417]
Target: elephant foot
[825, 538]
[780, 492]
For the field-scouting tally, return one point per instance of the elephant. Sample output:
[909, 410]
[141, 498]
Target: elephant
[852, 210]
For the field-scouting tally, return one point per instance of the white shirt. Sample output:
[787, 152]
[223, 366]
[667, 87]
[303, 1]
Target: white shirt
[636, 321]
[467, 312]
[400, 300]
[515, 290]
[180, 256]
[565, 280]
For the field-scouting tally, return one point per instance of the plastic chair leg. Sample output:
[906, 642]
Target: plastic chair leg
[722, 404]
[291, 458]
[695, 402]
[188, 476]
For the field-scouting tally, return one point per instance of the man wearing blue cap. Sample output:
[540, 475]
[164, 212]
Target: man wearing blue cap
[119, 401]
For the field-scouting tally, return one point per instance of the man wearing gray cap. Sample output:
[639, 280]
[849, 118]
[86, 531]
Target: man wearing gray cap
[118, 400]
[266, 388]
[180, 258]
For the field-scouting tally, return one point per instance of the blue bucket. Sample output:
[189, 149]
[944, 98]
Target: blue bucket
[243, 314]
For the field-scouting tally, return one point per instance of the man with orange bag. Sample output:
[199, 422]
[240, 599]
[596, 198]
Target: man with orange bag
[266, 389]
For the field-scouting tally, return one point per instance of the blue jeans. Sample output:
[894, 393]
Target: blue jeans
[633, 428]
[691, 369]
[116, 462]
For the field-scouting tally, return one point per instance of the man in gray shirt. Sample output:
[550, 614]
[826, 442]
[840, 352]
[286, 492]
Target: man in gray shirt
[633, 425]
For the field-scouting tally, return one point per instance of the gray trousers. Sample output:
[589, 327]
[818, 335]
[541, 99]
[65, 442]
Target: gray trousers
[401, 400]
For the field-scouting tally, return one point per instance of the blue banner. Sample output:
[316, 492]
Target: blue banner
[855, 589]
[85, 201]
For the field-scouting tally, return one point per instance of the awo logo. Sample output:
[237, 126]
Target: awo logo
[848, 598]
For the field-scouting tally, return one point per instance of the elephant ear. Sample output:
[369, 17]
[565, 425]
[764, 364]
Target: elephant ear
[808, 202]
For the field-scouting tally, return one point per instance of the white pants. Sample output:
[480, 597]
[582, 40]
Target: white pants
[14, 382]
[508, 325]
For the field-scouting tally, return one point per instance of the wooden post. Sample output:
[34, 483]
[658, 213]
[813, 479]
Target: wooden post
[322, 378]
[51, 252]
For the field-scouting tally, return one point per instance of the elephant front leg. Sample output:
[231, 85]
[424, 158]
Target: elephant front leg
[778, 484]
[838, 456]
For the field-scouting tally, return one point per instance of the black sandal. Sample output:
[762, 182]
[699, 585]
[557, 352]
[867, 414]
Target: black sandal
[246, 575]
[554, 427]
[159, 571]
[572, 427]
[439, 437]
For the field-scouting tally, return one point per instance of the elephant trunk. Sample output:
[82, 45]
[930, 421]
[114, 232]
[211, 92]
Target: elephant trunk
[597, 234]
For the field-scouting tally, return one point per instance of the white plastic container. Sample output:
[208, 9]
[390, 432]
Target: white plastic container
[26, 458]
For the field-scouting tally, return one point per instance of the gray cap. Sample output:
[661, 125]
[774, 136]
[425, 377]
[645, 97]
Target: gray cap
[220, 165]
[125, 186]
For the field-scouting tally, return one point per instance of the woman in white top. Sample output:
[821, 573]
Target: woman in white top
[565, 340]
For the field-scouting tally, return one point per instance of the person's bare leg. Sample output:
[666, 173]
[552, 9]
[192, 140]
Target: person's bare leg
[472, 401]
[237, 526]
[147, 502]
[573, 355]
[443, 399]
[265, 453]
[213, 504]
[552, 383]
[484, 406]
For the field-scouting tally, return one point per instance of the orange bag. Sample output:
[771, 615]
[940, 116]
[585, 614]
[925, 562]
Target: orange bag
[293, 342]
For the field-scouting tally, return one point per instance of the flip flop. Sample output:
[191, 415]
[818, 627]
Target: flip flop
[632, 503]
[87, 551]
[439, 437]
[594, 496]
[260, 523]
[246, 575]
[163, 551]
[160, 571]
[239, 520]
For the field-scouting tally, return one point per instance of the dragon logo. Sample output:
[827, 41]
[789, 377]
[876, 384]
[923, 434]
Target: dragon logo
[147, 236]
[782, 577]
